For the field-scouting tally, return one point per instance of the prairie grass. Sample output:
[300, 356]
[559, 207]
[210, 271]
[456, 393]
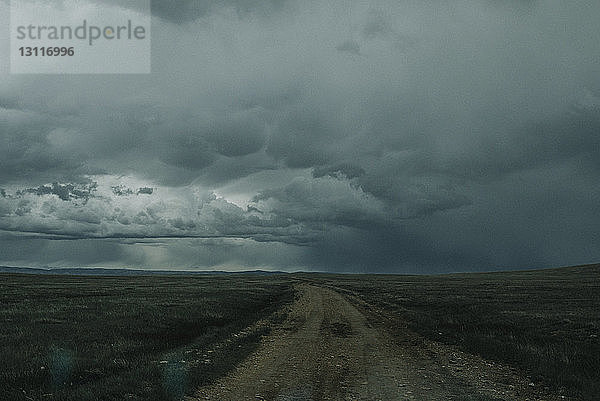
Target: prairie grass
[126, 338]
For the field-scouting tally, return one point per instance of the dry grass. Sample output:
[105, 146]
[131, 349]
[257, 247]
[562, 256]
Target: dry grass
[137, 338]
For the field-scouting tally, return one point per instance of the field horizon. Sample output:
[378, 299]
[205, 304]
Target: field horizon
[125, 271]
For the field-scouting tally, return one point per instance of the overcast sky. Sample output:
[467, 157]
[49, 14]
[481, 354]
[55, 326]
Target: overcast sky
[338, 135]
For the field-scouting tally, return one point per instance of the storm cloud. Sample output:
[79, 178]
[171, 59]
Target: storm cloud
[377, 136]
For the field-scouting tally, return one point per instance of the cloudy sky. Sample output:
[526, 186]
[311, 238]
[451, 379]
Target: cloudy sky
[339, 135]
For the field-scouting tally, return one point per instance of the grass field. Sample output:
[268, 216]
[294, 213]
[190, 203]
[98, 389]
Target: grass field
[136, 338]
[160, 337]
[545, 322]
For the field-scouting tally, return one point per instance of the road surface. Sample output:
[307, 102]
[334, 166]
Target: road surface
[334, 348]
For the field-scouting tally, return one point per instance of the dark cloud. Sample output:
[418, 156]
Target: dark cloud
[121, 190]
[187, 11]
[347, 170]
[182, 11]
[377, 24]
[464, 137]
[240, 133]
[349, 46]
[65, 192]
[145, 191]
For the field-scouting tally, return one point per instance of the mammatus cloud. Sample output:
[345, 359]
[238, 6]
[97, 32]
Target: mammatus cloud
[353, 136]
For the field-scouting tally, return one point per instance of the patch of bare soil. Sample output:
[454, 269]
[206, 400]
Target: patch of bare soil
[332, 349]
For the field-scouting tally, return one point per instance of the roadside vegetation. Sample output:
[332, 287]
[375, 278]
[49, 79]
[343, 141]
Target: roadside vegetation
[544, 322]
[128, 338]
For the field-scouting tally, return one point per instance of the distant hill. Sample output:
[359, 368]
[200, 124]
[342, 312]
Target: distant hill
[100, 271]
[93, 271]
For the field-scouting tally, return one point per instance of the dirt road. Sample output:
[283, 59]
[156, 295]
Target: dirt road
[332, 349]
